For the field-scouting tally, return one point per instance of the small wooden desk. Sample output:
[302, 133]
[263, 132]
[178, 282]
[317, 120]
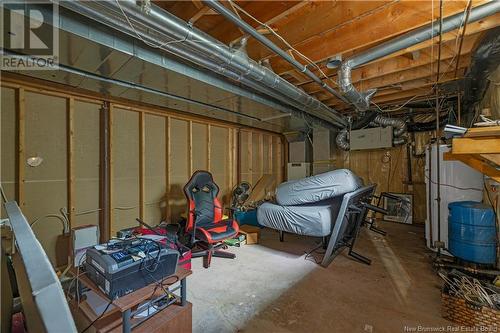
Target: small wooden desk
[125, 304]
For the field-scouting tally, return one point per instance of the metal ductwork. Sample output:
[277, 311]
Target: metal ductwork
[218, 7]
[160, 29]
[398, 126]
[362, 99]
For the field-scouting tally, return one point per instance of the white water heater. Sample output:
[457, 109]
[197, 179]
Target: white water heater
[458, 182]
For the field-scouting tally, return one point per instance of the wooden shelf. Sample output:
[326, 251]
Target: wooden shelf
[479, 149]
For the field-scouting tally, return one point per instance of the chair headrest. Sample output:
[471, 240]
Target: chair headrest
[201, 181]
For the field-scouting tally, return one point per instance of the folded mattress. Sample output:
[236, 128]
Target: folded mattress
[309, 219]
[317, 188]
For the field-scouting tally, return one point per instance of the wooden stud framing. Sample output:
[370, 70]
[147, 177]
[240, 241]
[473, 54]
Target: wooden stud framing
[236, 159]
[111, 169]
[261, 155]
[234, 145]
[270, 154]
[21, 152]
[229, 171]
[53, 89]
[209, 148]
[168, 154]
[142, 165]
[190, 148]
[238, 155]
[250, 157]
[104, 173]
[70, 109]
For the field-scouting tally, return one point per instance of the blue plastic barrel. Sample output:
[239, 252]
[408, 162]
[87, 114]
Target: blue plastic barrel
[472, 232]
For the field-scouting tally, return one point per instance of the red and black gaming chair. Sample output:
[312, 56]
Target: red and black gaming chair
[205, 224]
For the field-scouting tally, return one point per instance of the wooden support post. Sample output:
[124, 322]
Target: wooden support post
[236, 160]
[270, 154]
[229, 170]
[21, 152]
[284, 158]
[190, 148]
[239, 151]
[209, 147]
[261, 155]
[250, 157]
[105, 173]
[168, 168]
[70, 108]
[142, 166]
[110, 172]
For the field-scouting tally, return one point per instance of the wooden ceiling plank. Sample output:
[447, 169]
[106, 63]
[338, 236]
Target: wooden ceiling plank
[202, 12]
[400, 63]
[267, 12]
[411, 74]
[396, 19]
[318, 19]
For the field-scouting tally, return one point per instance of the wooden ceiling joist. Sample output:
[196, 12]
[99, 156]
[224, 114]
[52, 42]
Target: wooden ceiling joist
[400, 63]
[321, 29]
[394, 20]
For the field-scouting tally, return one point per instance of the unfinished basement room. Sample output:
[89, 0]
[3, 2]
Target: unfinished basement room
[220, 166]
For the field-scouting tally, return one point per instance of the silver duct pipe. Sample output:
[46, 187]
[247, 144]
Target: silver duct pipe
[398, 127]
[362, 99]
[165, 31]
[342, 140]
[218, 7]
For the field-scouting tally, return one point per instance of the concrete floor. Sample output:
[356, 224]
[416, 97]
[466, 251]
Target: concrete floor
[270, 287]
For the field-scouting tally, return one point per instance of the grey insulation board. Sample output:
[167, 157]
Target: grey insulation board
[317, 188]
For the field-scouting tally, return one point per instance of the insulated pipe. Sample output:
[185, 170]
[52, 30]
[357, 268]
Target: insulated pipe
[218, 7]
[196, 45]
[422, 34]
[361, 100]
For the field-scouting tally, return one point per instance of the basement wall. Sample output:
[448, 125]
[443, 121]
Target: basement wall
[153, 151]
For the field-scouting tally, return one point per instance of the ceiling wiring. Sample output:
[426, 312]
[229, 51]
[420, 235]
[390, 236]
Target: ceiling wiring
[284, 41]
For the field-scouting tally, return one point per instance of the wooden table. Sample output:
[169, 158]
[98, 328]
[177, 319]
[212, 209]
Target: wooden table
[124, 306]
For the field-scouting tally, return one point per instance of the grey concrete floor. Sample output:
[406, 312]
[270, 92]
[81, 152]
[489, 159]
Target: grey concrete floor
[270, 287]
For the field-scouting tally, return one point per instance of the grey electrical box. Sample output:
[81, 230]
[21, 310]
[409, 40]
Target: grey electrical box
[371, 138]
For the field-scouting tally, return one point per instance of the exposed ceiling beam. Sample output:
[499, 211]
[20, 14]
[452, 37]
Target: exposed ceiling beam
[369, 30]
[409, 74]
[202, 12]
[400, 63]
[227, 31]
[317, 19]
[424, 82]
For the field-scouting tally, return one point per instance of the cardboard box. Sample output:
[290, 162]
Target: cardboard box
[251, 233]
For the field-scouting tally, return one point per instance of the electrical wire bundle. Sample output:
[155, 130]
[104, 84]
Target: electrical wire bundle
[460, 285]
